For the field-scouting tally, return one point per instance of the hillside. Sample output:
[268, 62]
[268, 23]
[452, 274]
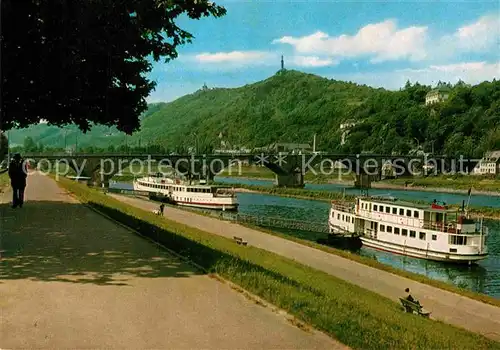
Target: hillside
[292, 106]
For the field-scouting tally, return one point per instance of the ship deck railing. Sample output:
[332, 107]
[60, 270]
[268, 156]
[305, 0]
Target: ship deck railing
[448, 227]
[343, 207]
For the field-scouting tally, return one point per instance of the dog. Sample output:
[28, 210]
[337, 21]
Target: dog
[156, 212]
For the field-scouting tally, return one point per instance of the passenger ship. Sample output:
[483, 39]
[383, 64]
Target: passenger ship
[182, 193]
[431, 232]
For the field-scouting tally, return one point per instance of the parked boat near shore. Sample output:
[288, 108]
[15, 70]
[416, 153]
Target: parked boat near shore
[431, 232]
[190, 194]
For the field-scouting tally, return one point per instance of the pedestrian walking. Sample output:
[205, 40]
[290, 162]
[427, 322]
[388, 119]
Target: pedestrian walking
[162, 206]
[18, 172]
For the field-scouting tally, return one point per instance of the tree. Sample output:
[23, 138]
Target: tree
[4, 146]
[29, 145]
[83, 61]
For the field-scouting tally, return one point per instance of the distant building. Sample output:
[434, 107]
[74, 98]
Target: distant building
[437, 95]
[346, 128]
[489, 164]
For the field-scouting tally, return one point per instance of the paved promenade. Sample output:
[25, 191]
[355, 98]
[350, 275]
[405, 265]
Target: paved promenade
[70, 278]
[446, 306]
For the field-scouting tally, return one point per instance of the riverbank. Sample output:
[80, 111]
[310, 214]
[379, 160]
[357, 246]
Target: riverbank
[477, 211]
[369, 320]
[411, 187]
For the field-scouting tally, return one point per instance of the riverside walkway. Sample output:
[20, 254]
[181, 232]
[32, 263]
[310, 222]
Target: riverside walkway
[70, 278]
[445, 306]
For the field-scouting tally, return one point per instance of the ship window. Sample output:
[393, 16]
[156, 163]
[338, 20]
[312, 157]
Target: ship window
[413, 234]
[352, 220]
[381, 208]
[458, 240]
[389, 229]
[416, 214]
[408, 212]
[338, 216]
[343, 218]
[422, 235]
[396, 230]
[394, 210]
[374, 208]
[382, 228]
[404, 232]
[453, 250]
[401, 212]
[434, 237]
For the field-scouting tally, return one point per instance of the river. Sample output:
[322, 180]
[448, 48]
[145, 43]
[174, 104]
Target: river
[484, 277]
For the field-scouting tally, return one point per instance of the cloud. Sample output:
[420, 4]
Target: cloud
[235, 57]
[382, 41]
[469, 72]
[478, 36]
[312, 61]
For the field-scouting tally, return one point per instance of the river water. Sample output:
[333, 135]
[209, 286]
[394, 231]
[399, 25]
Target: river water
[484, 277]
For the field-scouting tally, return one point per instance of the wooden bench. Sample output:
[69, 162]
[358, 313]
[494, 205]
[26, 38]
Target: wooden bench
[414, 308]
[240, 240]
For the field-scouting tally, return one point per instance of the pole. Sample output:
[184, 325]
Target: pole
[314, 144]
[468, 200]
[481, 237]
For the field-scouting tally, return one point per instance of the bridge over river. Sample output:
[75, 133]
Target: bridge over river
[289, 169]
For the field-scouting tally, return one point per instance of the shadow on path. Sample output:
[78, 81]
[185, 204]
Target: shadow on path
[66, 242]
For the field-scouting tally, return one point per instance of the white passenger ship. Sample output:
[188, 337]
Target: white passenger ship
[183, 193]
[431, 232]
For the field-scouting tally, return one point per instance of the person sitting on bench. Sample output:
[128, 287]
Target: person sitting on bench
[410, 298]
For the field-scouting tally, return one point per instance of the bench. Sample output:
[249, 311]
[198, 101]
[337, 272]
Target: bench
[240, 240]
[414, 308]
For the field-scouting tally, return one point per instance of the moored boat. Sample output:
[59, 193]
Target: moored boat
[432, 232]
[185, 193]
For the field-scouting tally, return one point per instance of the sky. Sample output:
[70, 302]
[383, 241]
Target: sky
[377, 43]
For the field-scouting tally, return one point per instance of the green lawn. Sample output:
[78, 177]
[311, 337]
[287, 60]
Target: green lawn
[358, 318]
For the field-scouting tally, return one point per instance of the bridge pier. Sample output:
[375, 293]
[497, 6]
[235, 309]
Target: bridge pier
[290, 169]
[294, 179]
[365, 178]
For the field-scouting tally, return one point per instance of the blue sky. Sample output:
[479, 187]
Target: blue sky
[378, 43]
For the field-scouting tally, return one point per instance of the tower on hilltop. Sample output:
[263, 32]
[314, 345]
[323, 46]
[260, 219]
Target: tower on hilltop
[282, 63]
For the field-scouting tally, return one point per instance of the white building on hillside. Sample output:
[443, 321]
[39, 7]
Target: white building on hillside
[489, 164]
[437, 95]
[346, 128]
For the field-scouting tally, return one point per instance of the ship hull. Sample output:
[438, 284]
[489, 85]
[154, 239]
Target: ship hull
[420, 253]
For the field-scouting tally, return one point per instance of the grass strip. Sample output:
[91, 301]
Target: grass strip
[357, 317]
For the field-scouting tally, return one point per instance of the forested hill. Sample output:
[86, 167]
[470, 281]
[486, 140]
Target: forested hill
[292, 106]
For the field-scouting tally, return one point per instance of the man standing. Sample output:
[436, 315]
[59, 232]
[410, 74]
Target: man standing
[18, 173]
